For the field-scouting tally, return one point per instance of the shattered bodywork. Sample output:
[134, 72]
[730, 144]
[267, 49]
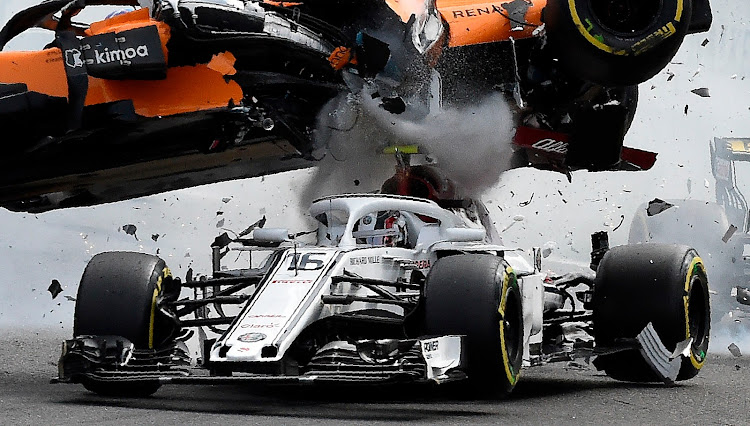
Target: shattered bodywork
[170, 94]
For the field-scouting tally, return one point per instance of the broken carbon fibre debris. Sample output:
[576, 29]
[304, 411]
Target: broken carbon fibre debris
[55, 288]
[130, 229]
[743, 295]
[702, 92]
[727, 235]
[734, 350]
[527, 202]
[259, 224]
[657, 206]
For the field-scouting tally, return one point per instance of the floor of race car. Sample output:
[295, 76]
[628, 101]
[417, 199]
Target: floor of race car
[551, 394]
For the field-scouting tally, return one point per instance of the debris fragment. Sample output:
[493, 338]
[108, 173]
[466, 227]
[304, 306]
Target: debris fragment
[734, 350]
[55, 288]
[622, 219]
[226, 200]
[526, 203]
[547, 248]
[671, 76]
[727, 235]
[702, 92]
[130, 229]
[220, 223]
[705, 42]
[356, 182]
[259, 224]
[657, 206]
[154, 237]
[743, 295]
[71, 298]
[686, 109]
[221, 241]
[517, 12]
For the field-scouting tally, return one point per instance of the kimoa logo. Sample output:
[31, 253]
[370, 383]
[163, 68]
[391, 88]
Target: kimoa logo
[120, 55]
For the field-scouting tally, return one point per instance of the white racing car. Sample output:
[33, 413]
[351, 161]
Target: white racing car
[396, 289]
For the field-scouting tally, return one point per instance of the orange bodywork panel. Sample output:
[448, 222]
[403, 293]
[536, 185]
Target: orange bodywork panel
[185, 89]
[476, 22]
[405, 8]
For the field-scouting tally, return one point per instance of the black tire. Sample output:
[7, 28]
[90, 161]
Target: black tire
[117, 296]
[665, 284]
[134, 389]
[700, 225]
[477, 295]
[621, 50]
[599, 129]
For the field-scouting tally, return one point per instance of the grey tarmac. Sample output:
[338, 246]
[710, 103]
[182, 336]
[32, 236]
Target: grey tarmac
[553, 394]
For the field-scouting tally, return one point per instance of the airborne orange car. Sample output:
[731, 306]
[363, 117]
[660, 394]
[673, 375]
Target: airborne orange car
[168, 94]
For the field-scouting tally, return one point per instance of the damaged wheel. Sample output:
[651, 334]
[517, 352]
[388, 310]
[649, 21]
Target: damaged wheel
[478, 296]
[616, 42]
[119, 295]
[700, 225]
[662, 284]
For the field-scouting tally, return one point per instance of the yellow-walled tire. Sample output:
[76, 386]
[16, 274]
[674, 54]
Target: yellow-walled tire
[662, 284]
[118, 296]
[477, 295]
[616, 42]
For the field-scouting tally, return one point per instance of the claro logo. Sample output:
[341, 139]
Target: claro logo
[108, 56]
[551, 145]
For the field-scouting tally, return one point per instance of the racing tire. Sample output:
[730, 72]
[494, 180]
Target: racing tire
[599, 131]
[477, 295]
[122, 390]
[594, 44]
[700, 225]
[662, 284]
[118, 296]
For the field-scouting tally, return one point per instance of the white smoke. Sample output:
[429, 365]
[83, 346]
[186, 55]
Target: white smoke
[471, 145]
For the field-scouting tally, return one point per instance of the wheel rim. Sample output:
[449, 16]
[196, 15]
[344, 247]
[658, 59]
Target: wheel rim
[698, 314]
[626, 17]
[511, 328]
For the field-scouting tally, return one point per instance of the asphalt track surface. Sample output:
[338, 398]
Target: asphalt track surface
[550, 394]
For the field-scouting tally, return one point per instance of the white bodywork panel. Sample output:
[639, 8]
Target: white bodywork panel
[288, 300]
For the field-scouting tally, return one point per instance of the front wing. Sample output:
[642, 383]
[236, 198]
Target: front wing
[113, 359]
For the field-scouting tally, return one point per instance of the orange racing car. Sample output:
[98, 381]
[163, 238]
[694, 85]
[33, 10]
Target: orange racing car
[169, 94]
